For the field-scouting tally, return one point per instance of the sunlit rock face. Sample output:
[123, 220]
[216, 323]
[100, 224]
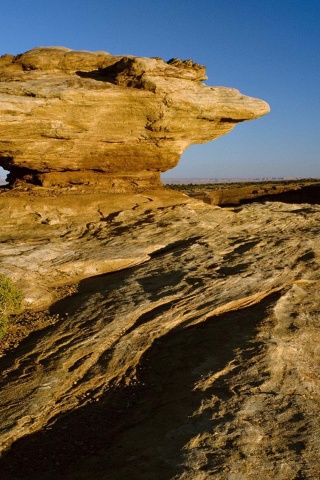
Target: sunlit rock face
[90, 118]
[201, 358]
[197, 355]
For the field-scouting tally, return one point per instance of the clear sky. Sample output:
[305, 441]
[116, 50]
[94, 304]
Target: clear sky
[268, 49]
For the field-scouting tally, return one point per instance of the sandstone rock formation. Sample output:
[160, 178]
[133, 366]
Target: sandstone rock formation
[197, 355]
[70, 117]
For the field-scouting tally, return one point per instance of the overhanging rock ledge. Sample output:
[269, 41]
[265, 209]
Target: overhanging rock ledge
[70, 118]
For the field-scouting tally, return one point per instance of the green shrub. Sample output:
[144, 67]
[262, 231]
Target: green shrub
[10, 302]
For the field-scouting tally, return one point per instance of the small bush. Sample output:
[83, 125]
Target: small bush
[10, 302]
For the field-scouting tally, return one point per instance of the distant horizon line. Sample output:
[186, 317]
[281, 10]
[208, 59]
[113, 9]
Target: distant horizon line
[199, 180]
[231, 179]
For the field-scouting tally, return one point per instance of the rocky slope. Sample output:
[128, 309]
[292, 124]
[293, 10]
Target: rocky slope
[200, 362]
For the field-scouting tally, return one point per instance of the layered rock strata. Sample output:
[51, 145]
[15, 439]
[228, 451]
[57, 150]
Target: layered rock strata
[90, 118]
[200, 361]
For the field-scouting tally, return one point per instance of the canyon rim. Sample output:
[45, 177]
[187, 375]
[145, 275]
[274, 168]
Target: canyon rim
[181, 339]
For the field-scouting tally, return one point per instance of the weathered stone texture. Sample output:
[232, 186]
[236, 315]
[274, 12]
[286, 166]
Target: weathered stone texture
[199, 361]
[117, 120]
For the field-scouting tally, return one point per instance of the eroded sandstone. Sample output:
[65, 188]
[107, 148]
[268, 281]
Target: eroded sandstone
[90, 118]
[197, 355]
[199, 361]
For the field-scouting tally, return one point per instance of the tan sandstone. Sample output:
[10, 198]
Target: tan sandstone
[196, 356]
[70, 117]
[201, 360]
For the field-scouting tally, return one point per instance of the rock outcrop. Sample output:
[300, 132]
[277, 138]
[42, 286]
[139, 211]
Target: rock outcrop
[200, 361]
[90, 118]
[197, 356]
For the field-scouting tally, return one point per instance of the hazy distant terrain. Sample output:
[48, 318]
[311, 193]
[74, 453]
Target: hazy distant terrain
[199, 181]
[235, 193]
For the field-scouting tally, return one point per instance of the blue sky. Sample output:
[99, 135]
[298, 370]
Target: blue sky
[268, 49]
